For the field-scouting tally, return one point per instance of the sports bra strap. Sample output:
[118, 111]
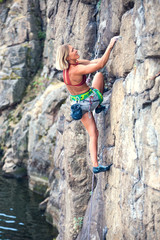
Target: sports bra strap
[67, 80]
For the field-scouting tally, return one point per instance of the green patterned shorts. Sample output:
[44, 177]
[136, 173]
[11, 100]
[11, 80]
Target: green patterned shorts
[89, 100]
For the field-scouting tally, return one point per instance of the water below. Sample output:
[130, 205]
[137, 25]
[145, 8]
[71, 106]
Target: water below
[20, 218]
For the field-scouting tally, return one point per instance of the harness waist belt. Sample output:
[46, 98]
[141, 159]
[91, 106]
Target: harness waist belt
[82, 96]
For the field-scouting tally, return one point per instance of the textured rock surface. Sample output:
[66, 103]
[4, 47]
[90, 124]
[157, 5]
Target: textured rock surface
[34, 137]
[131, 190]
[54, 149]
[20, 48]
[70, 178]
[78, 27]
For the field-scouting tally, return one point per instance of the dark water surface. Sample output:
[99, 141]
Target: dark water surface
[20, 218]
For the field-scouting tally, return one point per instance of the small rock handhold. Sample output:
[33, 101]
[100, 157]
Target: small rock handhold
[51, 12]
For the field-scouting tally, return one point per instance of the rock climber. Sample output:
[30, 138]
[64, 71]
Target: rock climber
[85, 99]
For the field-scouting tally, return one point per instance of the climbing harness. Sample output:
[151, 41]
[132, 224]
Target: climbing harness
[85, 102]
[82, 96]
[90, 104]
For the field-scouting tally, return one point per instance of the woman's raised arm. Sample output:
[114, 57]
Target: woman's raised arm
[86, 62]
[97, 63]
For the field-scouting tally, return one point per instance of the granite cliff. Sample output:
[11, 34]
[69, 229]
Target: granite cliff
[38, 137]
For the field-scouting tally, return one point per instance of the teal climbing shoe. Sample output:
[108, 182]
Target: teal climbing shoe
[101, 168]
[100, 109]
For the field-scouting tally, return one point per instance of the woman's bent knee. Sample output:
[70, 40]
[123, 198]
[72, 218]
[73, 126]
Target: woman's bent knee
[98, 82]
[99, 74]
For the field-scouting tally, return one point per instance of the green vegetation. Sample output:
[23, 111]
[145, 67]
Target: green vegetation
[20, 172]
[40, 188]
[36, 87]
[1, 1]
[41, 35]
[44, 178]
[1, 151]
[78, 223]
[12, 76]
[99, 5]
[14, 118]
[39, 84]
[54, 141]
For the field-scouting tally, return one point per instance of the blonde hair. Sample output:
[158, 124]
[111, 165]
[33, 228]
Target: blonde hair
[62, 54]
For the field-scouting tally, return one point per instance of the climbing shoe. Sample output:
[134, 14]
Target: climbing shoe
[101, 168]
[100, 109]
[105, 90]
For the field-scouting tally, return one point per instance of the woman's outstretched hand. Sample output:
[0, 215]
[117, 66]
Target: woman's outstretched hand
[113, 41]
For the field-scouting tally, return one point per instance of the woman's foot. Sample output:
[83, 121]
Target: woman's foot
[101, 168]
[100, 108]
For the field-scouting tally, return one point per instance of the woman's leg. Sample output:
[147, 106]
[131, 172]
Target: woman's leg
[91, 128]
[98, 82]
[89, 123]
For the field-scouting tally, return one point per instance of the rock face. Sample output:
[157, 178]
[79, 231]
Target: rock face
[54, 149]
[70, 178]
[20, 48]
[78, 27]
[130, 192]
